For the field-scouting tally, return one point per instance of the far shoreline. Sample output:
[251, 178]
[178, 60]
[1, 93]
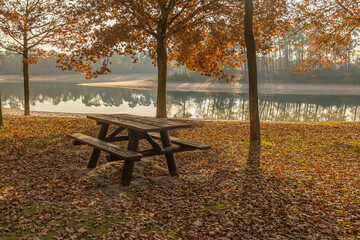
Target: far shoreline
[235, 87]
[148, 82]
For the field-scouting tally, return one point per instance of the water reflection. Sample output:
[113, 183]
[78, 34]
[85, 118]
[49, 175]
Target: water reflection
[272, 107]
[68, 97]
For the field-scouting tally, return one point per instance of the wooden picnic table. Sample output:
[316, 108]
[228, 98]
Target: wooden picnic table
[137, 127]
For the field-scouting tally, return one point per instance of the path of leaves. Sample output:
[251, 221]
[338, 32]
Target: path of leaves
[303, 183]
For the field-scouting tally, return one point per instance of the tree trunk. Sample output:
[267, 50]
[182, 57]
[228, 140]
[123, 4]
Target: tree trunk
[1, 116]
[251, 59]
[162, 74]
[26, 83]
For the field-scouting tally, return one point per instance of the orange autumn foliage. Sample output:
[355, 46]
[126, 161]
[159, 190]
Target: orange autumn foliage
[330, 27]
[29, 27]
[204, 36]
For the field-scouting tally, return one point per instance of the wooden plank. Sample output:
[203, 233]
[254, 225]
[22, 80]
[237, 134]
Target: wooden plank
[170, 160]
[150, 152]
[112, 119]
[96, 152]
[111, 158]
[171, 149]
[117, 139]
[167, 150]
[107, 139]
[128, 168]
[145, 121]
[77, 143]
[182, 142]
[165, 124]
[153, 143]
[117, 131]
[117, 151]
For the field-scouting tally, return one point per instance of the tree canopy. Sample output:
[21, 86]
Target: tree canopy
[30, 27]
[202, 35]
[331, 28]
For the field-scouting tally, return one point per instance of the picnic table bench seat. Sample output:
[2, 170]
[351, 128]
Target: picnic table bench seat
[182, 142]
[117, 152]
[138, 128]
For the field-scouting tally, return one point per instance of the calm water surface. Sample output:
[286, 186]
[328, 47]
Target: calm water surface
[68, 97]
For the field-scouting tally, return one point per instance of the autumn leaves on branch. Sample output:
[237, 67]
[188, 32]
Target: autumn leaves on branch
[203, 36]
[29, 28]
[330, 31]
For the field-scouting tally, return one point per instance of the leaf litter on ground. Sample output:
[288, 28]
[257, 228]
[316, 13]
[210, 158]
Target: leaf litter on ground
[302, 182]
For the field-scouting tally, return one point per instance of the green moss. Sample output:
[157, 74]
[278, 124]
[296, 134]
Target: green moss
[99, 229]
[155, 229]
[55, 139]
[29, 210]
[115, 220]
[215, 206]
[49, 235]
[355, 142]
[167, 233]
[265, 143]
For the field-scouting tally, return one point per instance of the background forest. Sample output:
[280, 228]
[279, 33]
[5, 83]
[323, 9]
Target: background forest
[272, 68]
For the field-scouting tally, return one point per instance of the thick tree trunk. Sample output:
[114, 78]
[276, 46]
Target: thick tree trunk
[1, 116]
[26, 83]
[162, 75]
[251, 57]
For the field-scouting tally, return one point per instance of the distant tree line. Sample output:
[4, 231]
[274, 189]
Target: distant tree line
[280, 65]
[272, 69]
[10, 65]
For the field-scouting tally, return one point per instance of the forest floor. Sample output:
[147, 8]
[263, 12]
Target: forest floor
[302, 182]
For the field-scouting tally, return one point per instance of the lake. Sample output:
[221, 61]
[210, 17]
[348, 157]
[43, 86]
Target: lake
[69, 97]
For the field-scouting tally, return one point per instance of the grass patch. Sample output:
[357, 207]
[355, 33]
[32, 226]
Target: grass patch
[55, 139]
[49, 235]
[29, 210]
[265, 143]
[215, 206]
[155, 229]
[96, 225]
[115, 220]
[2, 142]
[167, 233]
[355, 142]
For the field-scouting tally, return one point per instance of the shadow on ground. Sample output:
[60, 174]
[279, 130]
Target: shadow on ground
[228, 201]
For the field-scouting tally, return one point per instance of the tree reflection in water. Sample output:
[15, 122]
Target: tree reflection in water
[230, 106]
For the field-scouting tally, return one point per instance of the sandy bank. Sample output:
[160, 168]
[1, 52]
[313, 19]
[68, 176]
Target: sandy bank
[17, 112]
[283, 88]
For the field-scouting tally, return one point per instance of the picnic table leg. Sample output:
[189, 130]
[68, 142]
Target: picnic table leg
[170, 160]
[128, 168]
[96, 152]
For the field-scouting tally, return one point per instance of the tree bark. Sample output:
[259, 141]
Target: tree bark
[26, 82]
[252, 70]
[162, 75]
[1, 116]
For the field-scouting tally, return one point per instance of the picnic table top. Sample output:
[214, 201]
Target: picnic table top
[139, 123]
